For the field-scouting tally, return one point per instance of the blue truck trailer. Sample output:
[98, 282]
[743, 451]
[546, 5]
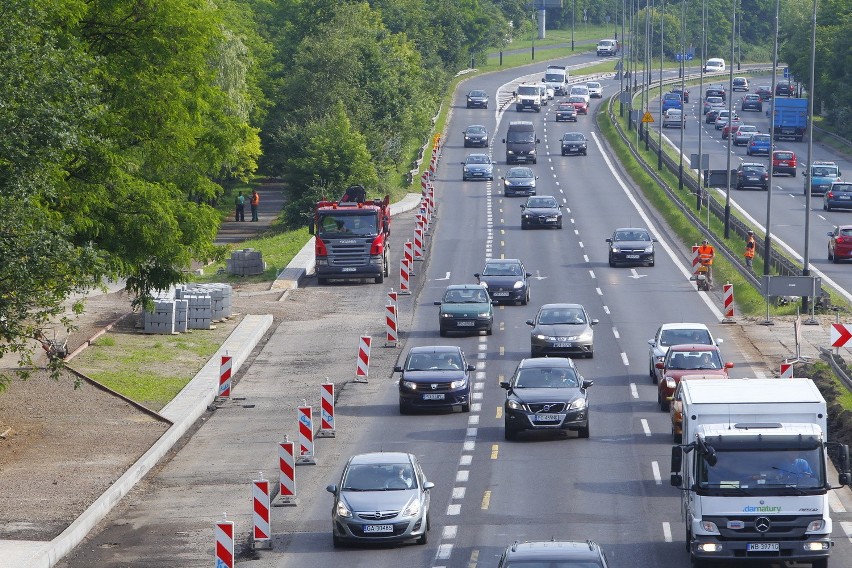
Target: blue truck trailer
[789, 118]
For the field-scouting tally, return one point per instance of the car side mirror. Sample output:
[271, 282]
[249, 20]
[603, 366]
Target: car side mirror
[504, 140]
[653, 240]
[471, 368]
[462, 163]
[719, 341]
[397, 369]
[504, 385]
[427, 485]
[586, 383]
[477, 275]
[729, 365]
[527, 274]
[530, 322]
[829, 234]
[437, 303]
[331, 488]
[594, 322]
[609, 240]
[514, 93]
[536, 177]
[523, 206]
[651, 342]
[660, 365]
[537, 141]
[503, 177]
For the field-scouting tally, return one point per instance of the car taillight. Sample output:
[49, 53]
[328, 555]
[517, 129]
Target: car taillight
[839, 240]
[320, 248]
[829, 195]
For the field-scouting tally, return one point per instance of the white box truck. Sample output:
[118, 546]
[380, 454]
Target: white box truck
[752, 471]
[556, 78]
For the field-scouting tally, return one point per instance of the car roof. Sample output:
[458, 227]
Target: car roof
[464, 287]
[519, 169]
[435, 349]
[549, 362]
[502, 261]
[381, 458]
[686, 347]
[752, 164]
[666, 326]
[476, 126]
[631, 229]
[561, 306]
[547, 550]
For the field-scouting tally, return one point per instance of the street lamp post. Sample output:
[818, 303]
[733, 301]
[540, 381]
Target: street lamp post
[662, 55]
[767, 238]
[682, 90]
[573, 10]
[806, 260]
[701, 178]
[730, 120]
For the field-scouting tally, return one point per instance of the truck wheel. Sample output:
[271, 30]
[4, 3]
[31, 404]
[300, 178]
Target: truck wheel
[380, 278]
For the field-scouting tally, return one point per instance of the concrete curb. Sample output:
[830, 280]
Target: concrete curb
[304, 262]
[183, 411]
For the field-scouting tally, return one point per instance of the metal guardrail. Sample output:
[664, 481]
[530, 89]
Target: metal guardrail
[837, 369]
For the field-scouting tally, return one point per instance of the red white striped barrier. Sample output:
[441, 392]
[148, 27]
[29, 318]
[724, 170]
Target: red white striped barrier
[224, 535]
[786, 370]
[424, 183]
[404, 272]
[392, 296]
[224, 390]
[362, 367]
[261, 530]
[728, 301]
[306, 437]
[433, 164]
[418, 243]
[695, 262]
[326, 411]
[408, 254]
[286, 475]
[391, 324]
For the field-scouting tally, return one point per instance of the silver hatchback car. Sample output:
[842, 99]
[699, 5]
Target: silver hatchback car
[381, 497]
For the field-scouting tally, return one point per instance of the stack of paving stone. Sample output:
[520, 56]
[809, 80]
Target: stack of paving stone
[245, 262]
[220, 297]
[192, 306]
[162, 319]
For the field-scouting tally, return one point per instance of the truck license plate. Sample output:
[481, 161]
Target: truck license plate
[378, 528]
[433, 396]
[763, 547]
[465, 324]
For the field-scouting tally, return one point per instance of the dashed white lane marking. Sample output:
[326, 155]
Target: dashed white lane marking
[480, 375]
[835, 503]
[599, 291]
[458, 492]
[576, 231]
[606, 310]
[480, 365]
[449, 532]
[634, 392]
[644, 427]
[469, 445]
[462, 476]
[482, 345]
[581, 244]
[624, 359]
[454, 510]
[471, 433]
[592, 274]
[466, 459]
[473, 420]
[615, 333]
[655, 467]
[667, 532]
[478, 386]
[444, 551]
[585, 258]
[476, 406]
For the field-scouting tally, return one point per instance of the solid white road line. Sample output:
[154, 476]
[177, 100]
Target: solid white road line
[667, 532]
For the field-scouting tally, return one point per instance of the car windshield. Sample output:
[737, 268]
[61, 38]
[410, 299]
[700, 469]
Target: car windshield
[546, 378]
[842, 187]
[520, 173]
[823, 172]
[593, 85]
[760, 138]
[573, 136]
[478, 159]
[541, 203]
[465, 296]
[502, 269]
[845, 232]
[527, 90]
[744, 129]
[678, 336]
[565, 106]
[690, 360]
[753, 169]
[379, 477]
[476, 130]
[672, 96]
[520, 136]
[561, 316]
[558, 563]
[783, 155]
[477, 94]
[331, 224]
[631, 236]
[579, 91]
[714, 100]
[446, 361]
[554, 77]
[576, 99]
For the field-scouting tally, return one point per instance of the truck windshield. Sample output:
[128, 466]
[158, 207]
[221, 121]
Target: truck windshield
[527, 90]
[755, 469]
[520, 137]
[332, 224]
[554, 77]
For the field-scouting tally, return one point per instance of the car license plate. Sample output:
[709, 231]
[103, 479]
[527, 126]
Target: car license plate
[477, 173]
[465, 324]
[500, 294]
[562, 345]
[348, 269]
[752, 178]
[632, 256]
[551, 219]
[547, 417]
[378, 528]
[763, 547]
[433, 396]
[842, 197]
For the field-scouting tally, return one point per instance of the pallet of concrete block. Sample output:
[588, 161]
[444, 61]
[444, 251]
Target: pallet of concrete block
[220, 297]
[162, 319]
[199, 311]
[245, 262]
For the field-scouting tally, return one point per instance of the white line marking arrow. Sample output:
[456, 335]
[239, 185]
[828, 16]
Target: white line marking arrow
[636, 275]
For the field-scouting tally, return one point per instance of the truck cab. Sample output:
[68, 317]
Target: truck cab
[556, 78]
[528, 97]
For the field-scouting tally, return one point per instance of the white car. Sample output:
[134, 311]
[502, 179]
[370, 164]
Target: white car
[674, 118]
[551, 92]
[714, 64]
[595, 89]
[670, 334]
[580, 91]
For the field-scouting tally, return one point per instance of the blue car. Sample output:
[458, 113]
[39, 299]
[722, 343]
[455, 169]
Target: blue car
[759, 144]
[478, 166]
[672, 100]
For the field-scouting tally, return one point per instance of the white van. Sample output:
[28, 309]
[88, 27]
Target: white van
[714, 64]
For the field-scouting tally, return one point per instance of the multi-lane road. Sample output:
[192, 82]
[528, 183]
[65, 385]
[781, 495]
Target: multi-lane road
[613, 487]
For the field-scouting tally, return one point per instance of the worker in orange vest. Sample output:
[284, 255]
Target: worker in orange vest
[750, 247]
[254, 202]
[706, 252]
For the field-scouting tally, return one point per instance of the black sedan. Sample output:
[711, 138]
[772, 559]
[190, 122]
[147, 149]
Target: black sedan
[566, 111]
[546, 394]
[574, 143]
[752, 102]
[684, 93]
[475, 135]
[477, 99]
[435, 376]
[838, 196]
[541, 211]
[631, 246]
[519, 181]
[506, 280]
[564, 330]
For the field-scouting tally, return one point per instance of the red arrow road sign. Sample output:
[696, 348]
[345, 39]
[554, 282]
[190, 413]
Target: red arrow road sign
[840, 334]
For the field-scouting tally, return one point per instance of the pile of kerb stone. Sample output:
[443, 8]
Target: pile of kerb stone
[245, 262]
[190, 306]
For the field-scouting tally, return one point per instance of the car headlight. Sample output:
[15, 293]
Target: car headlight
[467, 137]
[445, 315]
[458, 384]
[514, 405]
[518, 285]
[484, 284]
[578, 404]
[649, 249]
[507, 183]
[483, 314]
[540, 336]
[411, 385]
[615, 250]
[467, 169]
[510, 151]
[532, 151]
[816, 526]
[342, 510]
[527, 215]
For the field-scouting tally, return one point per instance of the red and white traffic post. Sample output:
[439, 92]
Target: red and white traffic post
[408, 254]
[326, 410]
[224, 535]
[418, 243]
[786, 370]
[728, 301]
[286, 475]
[404, 275]
[306, 436]
[261, 529]
[224, 389]
[696, 262]
[393, 297]
[391, 320]
[362, 367]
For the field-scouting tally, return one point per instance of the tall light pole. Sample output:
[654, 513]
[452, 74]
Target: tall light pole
[662, 55]
[806, 271]
[623, 48]
[767, 238]
[573, 10]
[730, 119]
[701, 180]
[682, 90]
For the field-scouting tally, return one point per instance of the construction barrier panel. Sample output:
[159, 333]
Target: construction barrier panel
[393, 297]
[224, 390]
[326, 411]
[391, 336]
[728, 302]
[695, 262]
[786, 370]
[408, 254]
[261, 530]
[286, 475]
[362, 366]
[306, 437]
[418, 243]
[224, 534]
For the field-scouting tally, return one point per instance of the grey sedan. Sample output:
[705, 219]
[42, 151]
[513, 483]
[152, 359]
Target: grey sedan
[631, 246]
[382, 497]
[574, 143]
[477, 166]
[563, 330]
[519, 181]
[475, 135]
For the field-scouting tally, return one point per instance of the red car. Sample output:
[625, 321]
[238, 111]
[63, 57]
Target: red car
[840, 243]
[580, 103]
[731, 125]
[688, 359]
[784, 162]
